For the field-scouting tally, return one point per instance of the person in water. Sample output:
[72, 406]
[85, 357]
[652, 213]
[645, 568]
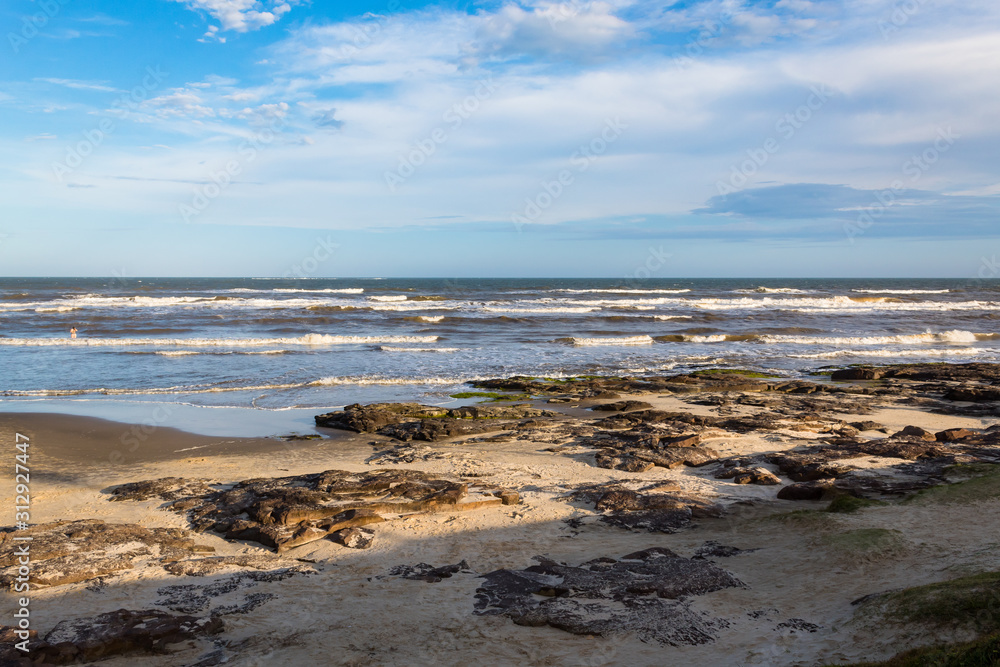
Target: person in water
[72, 332]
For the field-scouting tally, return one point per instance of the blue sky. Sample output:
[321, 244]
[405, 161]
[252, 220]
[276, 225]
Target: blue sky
[578, 138]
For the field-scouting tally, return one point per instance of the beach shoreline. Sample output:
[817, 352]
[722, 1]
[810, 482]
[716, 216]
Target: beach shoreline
[798, 576]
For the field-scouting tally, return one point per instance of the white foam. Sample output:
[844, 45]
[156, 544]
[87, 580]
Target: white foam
[713, 338]
[345, 290]
[388, 348]
[430, 318]
[950, 352]
[772, 290]
[901, 291]
[551, 309]
[393, 297]
[177, 353]
[308, 339]
[57, 309]
[955, 336]
[608, 340]
[623, 291]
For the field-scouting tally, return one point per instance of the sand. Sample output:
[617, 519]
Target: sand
[351, 613]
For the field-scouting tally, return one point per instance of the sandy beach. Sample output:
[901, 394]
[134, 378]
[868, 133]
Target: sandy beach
[798, 572]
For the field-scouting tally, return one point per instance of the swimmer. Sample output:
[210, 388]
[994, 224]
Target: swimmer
[72, 332]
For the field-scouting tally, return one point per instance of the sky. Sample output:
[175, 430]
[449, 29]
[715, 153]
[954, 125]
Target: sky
[617, 138]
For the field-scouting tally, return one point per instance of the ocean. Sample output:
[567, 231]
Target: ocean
[273, 345]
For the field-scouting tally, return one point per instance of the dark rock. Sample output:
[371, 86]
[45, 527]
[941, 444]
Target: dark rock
[615, 460]
[65, 552]
[354, 538]
[915, 432]
[199, 597]
[748, 475]
[116, 633]
[286, 512]
[712, 549]
[867, 426]
[953, 434]
[857, 374]
[973, 394]
[622, 406]
[681, 441]
[805, 490]
[640, 593]
[428, 573]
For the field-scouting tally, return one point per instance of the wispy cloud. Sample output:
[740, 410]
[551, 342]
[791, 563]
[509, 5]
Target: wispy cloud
[241, 15]
[79, 85]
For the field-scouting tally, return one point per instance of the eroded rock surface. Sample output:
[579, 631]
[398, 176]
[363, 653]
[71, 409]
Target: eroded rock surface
[286, 512]
[413, 421]
[116, 633]
[639, 593]
[66, 552]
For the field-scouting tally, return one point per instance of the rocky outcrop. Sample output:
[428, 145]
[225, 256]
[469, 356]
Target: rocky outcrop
[641, 593]
[66, 552]
[286, 512]
[116, 633]
[412, 421]
[655, 508]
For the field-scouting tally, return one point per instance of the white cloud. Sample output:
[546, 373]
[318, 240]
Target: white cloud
[240, 15]
[79, 85]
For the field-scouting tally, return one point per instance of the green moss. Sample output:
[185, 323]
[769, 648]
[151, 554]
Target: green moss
[494, 396]
[968, 601]
[979, 482]
[849, 504]
[983, 652]
[866, 543]
[735, 371]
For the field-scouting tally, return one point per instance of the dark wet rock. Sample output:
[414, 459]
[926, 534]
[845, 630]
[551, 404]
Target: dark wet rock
[640, 593]
[622, 406]
[167, 488]
[229, 590]
[354, 538]
[973, 394]
[117, 633]
[286, 512]
[982, 372]
[657, 508]
[857, 374]
[413, 421]
[814, 490]
[66, 552]
[615, 460]
[712, 549]
[203, 567]
[371, 418]
[915, 432]
[428, 573]
[953, 434]
[867, 426]
[748, 475]
[797, 624]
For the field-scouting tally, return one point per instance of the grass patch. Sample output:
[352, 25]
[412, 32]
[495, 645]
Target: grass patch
[866, 543]
[849, 504]
[735, 371]
[983, 652]
[801, 518]
[493, 396]
[978, 482]
[967, 601]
